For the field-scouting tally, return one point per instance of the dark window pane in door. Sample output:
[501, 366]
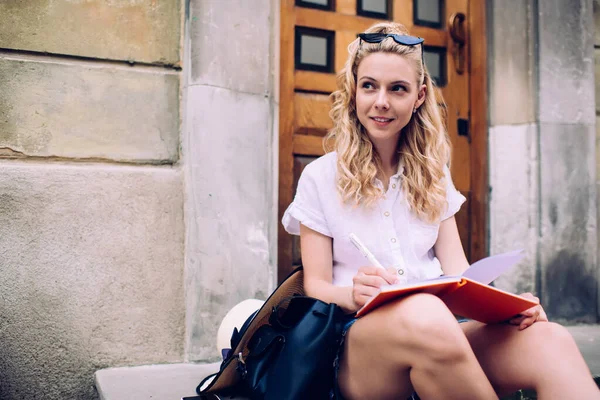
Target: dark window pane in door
[381, 9]
[319, 4]
[314, 49]
[435, 60]
[429, 13]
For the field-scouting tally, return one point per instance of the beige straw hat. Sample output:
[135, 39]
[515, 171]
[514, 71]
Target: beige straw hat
[235, 318]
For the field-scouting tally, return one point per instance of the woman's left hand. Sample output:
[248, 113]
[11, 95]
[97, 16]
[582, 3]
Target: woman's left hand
[530, 316]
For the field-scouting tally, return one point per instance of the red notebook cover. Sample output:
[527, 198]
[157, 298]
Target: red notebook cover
[463, 296]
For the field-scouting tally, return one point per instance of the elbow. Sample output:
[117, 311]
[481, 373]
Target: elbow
[311, 287]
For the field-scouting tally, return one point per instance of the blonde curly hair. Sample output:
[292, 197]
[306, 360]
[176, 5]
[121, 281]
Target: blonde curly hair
[423, 146]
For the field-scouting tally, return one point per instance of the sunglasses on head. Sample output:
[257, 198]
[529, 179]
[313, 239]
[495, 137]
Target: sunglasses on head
[400, 39]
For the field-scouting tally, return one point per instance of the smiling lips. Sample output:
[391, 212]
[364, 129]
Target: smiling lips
[382, 120]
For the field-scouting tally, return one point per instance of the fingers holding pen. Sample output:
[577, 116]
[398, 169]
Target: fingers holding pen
[368, 282]
[362, 293]
[392, 277]
[375, 276]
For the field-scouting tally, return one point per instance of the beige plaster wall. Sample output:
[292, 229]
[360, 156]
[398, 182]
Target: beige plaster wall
[91, 192]
[146, 31]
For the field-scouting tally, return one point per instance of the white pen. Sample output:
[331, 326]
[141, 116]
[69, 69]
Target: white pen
[365, 252]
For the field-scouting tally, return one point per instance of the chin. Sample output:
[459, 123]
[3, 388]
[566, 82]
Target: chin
[383, 135]
[385, 132]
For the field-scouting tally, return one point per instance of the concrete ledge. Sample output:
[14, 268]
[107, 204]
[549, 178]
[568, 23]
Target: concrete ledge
[164, 381]
[174, 381]
[588, 341]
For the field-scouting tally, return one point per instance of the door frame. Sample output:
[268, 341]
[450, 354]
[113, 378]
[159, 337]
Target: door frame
[478, 128]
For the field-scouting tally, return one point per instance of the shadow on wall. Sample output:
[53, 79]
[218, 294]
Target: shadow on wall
[570, 290]
[44, 353]
[58, 365]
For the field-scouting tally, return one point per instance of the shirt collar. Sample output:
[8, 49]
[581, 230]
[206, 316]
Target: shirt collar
[400, 172]
[395, 178]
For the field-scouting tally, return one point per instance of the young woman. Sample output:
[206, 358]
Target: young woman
[387, 182]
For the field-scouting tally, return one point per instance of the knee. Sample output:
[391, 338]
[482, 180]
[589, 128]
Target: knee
[430, 328]
[551, 335]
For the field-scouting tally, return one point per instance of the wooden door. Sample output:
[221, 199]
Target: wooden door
[314, 38]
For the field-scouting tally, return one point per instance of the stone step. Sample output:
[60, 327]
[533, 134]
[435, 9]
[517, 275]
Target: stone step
[145, 382]
[174, 381]
[530, 394]
[588, 341]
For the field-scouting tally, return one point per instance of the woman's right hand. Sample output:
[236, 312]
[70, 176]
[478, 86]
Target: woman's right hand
[367, 283]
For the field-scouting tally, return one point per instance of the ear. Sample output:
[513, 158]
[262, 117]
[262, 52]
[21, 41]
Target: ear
[422, 95]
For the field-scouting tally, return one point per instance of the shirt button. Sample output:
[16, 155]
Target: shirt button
[394, 186]
[387, 213]
[400, 271]
[393, 240]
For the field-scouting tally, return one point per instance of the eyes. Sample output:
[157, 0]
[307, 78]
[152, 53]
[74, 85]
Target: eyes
[368, 86]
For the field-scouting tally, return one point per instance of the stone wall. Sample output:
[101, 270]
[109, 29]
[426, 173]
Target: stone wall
[542, 153]
[91, 192]
[596, 9]
[230, 158]
[138, 145]
[513, 149]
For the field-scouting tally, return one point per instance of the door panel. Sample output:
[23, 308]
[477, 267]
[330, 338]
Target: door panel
[299, 163]
[312, 114]
[305, 88]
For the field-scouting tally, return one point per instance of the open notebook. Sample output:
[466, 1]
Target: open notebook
[468, 295]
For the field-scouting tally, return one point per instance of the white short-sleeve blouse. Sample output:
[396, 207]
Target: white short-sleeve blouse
[388, 229]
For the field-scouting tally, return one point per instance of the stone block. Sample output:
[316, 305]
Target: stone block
[512, 94]
[232, 47]
[597, 76]
[230, 206]
[566, 61]
[166, 381]
[92, 274]
[79, 110]
[598, 248]
[597, 147]
[147, 31]
[513, 201]
[569, 272]
[596, 8]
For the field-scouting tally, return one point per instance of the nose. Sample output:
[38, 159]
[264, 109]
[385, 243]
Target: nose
[382, 102]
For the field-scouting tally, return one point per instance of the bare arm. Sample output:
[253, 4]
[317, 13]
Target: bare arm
[317, 260]
[449, 250]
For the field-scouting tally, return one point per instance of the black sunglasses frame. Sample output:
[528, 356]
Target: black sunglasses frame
[404, 40]
[400, 39]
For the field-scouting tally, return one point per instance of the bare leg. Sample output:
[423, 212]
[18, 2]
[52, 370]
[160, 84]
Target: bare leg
[543, 357]
[414, 342]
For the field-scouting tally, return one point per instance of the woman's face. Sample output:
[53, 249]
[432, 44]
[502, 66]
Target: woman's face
[386, 95]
